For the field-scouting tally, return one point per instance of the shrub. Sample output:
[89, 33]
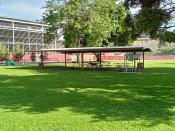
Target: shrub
[168, 49]
[18, 53]
[3, 53]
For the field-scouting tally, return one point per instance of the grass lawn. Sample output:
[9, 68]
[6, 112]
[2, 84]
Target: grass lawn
[72, 100]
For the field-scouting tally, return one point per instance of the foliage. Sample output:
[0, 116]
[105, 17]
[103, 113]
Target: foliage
[128, 33]
[85, 22]
[3, 52]
[153, 16]
[167, 37]
[107, 22]
[153, 21]
[51, 18]
[167, 49]
[18, 52]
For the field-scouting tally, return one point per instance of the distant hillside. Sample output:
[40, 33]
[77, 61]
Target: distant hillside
[153, 44]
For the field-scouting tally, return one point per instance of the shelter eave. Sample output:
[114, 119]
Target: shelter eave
[97, 49]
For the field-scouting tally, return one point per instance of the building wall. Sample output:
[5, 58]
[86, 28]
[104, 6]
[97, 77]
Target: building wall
[29, 34]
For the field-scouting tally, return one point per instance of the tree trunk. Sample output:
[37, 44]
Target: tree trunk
[78, 41]
[97, 56]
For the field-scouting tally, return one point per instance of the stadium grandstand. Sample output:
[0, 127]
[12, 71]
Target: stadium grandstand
[29, 34]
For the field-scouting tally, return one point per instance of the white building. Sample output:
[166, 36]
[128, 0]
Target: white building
[29, 34]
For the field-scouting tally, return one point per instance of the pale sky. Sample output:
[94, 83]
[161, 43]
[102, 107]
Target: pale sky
[22, 9]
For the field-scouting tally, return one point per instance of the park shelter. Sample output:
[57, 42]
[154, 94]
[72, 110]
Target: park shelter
[99, 50]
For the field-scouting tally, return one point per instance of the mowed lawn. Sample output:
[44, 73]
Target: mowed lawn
[72, 100]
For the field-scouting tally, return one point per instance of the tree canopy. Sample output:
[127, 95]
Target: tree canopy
[85, 22]
[155, 17]
[108, 22]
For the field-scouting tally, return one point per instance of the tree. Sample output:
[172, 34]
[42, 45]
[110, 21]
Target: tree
[167, 37]
[51, 17]
[154, 16]
[18, 53]
[84, 22]
[3, 52]
[128, 33]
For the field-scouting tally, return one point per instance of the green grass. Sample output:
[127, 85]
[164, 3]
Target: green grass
[72, 100]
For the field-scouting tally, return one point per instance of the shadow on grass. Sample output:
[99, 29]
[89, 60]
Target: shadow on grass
[104, 95]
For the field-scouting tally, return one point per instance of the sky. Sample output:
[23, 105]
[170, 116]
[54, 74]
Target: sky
[22, 9]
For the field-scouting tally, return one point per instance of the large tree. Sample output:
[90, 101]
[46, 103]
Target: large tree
[154, 17]
[128, 33]
[84, 22]
[102, 22]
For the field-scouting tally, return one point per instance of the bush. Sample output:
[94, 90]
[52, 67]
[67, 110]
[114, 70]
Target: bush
[18, 53]
[3, 53]
[168, 49]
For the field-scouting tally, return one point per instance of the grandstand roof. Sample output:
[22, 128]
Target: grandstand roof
[21, 21]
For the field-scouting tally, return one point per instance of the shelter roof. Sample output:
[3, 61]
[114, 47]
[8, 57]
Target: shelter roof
[98, 49]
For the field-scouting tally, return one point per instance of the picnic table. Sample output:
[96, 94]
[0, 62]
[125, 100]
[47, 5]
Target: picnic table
[94, 65]
[97, 65]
